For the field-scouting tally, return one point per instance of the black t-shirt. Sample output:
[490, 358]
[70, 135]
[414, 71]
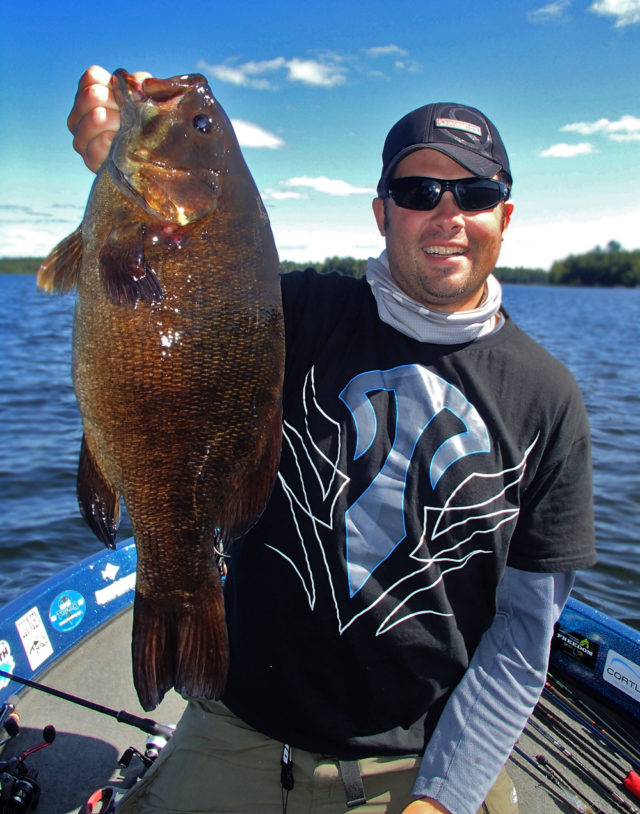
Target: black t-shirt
[411, 474]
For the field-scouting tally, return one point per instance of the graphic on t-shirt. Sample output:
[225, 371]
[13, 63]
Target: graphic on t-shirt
[453, 528]
[375, 522]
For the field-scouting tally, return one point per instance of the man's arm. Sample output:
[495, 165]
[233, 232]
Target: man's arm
[489, 708]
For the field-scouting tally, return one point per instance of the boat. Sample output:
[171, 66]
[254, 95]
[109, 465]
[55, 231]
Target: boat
[73, 735]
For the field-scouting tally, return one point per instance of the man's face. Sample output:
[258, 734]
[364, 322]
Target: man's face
[441, 257]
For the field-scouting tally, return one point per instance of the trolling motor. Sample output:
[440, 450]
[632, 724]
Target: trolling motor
[19, 791]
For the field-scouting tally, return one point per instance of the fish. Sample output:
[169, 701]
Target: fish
[177, 366]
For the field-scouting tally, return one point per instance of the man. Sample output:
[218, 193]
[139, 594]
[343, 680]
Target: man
[390, 614]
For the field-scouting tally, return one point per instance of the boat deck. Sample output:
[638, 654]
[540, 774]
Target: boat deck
[84, 756]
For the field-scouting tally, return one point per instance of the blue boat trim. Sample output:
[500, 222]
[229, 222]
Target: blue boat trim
[600, 653]
[39, 627]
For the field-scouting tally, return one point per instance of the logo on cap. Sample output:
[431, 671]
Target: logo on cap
[455, 124]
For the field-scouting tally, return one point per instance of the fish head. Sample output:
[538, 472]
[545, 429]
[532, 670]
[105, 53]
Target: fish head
[173, 145]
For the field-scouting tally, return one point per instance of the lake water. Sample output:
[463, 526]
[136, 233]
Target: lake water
[595, 332]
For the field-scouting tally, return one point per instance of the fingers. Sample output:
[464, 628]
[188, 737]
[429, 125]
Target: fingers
[94, 119]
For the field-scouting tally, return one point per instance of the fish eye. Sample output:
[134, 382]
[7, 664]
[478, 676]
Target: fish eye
[203, 123]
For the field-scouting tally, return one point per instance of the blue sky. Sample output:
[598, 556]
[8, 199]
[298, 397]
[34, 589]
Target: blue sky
[313, 88]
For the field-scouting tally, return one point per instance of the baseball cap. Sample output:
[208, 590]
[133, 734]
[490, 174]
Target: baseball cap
[463, 133]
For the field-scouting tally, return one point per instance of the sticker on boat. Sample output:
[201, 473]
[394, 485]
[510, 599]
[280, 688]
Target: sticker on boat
[34, 638]
[623, 674]
[7, 662]
[67, 610]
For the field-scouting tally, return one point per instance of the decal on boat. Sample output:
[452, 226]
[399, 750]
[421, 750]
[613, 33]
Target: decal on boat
[34, 637]
[117, 589]
[7, 662]
[67, 610]
[577, 646]
[623, 674]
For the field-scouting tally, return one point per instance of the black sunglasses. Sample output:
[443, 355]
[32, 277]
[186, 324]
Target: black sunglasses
[471, 194]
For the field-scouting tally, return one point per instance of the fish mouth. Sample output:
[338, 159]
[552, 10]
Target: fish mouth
[128, 90]
[182, 200]
[164, 166]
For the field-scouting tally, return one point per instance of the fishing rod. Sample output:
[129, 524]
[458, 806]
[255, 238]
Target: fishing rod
[542, 760]
[574, 801]
[592, 750]
[145, 724]
[631, 782]
[598, 719]
[586, 771]
[577, 716]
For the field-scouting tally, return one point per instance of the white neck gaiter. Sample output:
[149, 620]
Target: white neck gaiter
[418, 322]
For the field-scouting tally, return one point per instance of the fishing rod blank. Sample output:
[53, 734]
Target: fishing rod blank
[145, 724]
[598, 718]
[593, 750]
[575, 802]
[590, 727]
[631, 782]
[587, 772]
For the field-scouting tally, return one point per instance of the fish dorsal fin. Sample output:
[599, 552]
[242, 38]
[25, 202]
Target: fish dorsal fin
[59, 272]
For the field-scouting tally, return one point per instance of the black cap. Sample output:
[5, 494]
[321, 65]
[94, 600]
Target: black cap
[461, 132]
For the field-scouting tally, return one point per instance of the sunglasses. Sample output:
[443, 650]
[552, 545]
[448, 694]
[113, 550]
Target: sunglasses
[471, 194]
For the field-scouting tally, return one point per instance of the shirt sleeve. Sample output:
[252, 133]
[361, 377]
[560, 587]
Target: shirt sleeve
[488, 710]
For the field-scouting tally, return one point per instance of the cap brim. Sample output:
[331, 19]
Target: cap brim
[476, 164]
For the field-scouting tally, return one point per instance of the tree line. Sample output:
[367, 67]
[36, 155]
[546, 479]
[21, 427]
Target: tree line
[611, 266]
[352, 267]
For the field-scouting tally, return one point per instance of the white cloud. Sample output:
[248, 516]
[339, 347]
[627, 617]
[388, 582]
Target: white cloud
[251, 135]
[386, 50]
[312, 72]
[282, 195]
[258, 74]
[313, 245]
[625, 12]
[549, 13]
[538, 245]
[626, 128]
[330, 186]
[247, 75]
[568, 150]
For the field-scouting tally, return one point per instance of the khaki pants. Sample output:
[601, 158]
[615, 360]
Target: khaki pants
[216, 764]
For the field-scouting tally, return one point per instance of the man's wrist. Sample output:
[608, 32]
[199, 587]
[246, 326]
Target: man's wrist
[425, 805]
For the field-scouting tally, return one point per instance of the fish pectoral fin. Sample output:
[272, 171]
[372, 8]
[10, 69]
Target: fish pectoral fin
[59, 272]
[180, 641]
[99, 501]
[127, 277]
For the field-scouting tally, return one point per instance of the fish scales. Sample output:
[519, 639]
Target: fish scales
[178, 359]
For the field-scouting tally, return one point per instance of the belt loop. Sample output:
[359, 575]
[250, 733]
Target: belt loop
[352, 782]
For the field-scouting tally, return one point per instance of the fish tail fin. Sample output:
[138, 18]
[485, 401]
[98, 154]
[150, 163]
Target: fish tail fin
[180, 643]
[59, 272]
